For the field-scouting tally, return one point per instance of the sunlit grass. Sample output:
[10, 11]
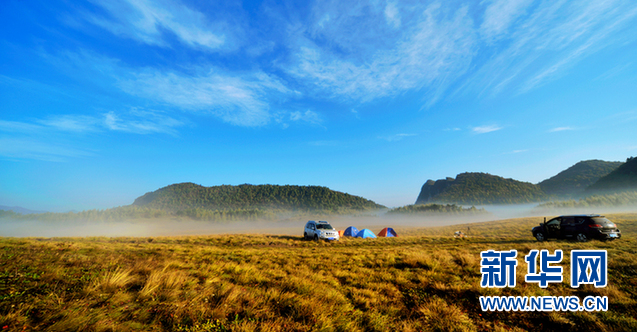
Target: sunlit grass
[423, 280]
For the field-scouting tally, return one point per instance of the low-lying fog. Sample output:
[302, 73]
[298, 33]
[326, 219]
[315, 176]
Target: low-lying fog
[169, 227]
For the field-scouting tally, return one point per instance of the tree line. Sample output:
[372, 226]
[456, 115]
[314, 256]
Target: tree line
[436, 208]
[619, 199]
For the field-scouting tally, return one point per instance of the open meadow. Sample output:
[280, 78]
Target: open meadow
[424, 280]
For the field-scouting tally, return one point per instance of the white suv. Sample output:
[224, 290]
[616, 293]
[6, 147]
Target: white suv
[320, 230]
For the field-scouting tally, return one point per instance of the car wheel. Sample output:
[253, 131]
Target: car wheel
[540, 236]
[315, 237]
[304, 236]
[581, 237]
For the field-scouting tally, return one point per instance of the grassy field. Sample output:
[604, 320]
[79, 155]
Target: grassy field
[421, 281]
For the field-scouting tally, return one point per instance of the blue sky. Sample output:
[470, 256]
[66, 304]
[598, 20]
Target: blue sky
[103, 101]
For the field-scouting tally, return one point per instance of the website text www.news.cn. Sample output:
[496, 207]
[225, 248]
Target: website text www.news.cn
[498, 270]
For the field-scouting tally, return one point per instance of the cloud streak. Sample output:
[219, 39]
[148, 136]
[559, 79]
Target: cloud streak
[47, 139]
[134, 121]
[544, 42]
[483, 50]
[307, 116]
[397, 137]
[354, 53]
[499, 16]
[146, 21]
[239, 98]
[558, 129]
[29, 148]
[431, 53]
[236, 99]
[485, 129]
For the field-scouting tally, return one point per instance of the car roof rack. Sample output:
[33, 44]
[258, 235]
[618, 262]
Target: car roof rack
[323, 221]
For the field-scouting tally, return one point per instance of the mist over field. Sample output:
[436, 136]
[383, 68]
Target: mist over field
[288, 226]
[170, 227]
[150, 227]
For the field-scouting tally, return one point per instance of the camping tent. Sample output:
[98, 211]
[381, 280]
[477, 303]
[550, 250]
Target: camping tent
[365, 234]
[350, 231]
[388, 232]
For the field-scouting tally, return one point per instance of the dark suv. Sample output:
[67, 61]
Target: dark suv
[579, 227]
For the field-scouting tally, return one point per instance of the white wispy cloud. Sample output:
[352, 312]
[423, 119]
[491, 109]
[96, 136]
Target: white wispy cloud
[499, 15]
[516, 151]
[237, 99]
[307, 116]
[48, 139]
[134, 121]
[141, 122]
[397, 137]
[432, 52]
[357, 52]
[556, 129]
[541, 44]
[29, 148]
[325, 143]
[392, 15]
[240, 98]
[74, 123]
[18, 127]
[146, 21]
[518, 45]
[485, 129]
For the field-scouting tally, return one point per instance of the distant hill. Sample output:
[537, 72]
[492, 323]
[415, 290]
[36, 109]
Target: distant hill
[623, 178]
[220, 203]
[188, 196]
[18, 209]
[479, 188]
[575, 179]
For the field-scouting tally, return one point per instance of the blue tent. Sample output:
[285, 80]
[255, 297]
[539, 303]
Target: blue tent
[366, 233]
[350, 231]
[387, 232]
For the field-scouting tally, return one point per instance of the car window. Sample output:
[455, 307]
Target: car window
[568, 221]
[554, 222]
[602, 221]
[324, 226]
[579, 220]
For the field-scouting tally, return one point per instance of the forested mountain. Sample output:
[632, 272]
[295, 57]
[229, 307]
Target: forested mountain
[623, 178]
[480, 188]
[575, 179]
[585, 178]
[184, 196]
[221, 203]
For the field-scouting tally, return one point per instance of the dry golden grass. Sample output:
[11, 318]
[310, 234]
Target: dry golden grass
[423, 280]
